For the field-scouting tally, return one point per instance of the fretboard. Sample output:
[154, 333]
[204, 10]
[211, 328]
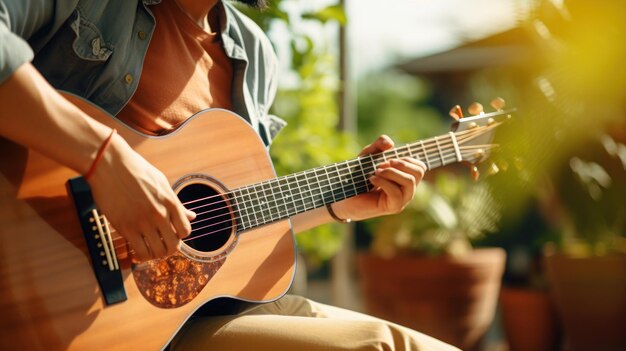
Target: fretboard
[286, 196]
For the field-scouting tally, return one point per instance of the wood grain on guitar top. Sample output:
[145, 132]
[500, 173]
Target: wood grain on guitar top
[49, 297]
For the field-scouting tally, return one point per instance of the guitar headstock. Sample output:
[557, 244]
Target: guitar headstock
[475, 132]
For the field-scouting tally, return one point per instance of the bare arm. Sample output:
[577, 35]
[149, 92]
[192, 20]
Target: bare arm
[134, 195]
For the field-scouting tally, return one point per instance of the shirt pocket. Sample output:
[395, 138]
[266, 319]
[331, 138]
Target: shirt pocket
[89, 43]
[75, 60]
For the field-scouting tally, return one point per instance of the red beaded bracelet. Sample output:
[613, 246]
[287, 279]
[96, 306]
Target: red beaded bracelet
[99, 155]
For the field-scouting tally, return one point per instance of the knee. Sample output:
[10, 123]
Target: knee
[379, 338]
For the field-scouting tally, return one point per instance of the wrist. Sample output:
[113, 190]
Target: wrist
[338, 217]
[100, 154]
[112, 158]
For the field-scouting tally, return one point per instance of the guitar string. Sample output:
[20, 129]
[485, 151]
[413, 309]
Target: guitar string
[432, 145]
[453, 157]
[288, 178]
[312, 183]
[304, 204]
[313, 186]
[448, 157]
[340, 175]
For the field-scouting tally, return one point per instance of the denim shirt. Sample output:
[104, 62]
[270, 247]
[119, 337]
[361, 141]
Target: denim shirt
[96, 49]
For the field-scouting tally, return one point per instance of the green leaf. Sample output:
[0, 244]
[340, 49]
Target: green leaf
[330, 13]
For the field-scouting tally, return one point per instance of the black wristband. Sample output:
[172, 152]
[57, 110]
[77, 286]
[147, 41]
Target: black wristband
[334, 215]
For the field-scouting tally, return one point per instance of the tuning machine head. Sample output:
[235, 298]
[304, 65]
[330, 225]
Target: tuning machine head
[456, 112]
[475, 109]
[498, 104]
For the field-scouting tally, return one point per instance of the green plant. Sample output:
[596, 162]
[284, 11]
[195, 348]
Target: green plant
[445, 216]
[588, 194]
[309, 104]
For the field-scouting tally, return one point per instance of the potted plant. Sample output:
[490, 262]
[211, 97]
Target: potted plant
[587, 268]
[422, 271]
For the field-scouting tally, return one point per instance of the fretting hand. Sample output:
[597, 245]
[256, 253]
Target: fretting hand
[394, 182]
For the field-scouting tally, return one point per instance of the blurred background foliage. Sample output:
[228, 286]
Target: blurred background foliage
[564, 148]
[309, 103]
[555, 158]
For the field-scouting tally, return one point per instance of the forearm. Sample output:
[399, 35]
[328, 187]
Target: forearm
[35, 115]
[319, 216]
[311, 219]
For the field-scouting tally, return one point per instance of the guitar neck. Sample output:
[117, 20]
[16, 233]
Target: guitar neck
[286, 196]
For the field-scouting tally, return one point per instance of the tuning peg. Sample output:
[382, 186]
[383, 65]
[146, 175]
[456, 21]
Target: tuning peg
[475, 108]
[498, 103]
[474, 172]
[493, 169]
[456, 112]
[479, 155]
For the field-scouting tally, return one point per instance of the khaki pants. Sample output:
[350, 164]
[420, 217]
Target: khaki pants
[296, 323]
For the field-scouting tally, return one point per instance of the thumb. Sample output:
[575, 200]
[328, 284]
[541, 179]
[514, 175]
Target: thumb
[190, 215]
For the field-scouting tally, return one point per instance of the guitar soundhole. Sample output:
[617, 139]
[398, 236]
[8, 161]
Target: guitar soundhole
[213, 226]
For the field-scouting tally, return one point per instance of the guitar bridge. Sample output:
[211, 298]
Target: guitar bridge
[99, 242]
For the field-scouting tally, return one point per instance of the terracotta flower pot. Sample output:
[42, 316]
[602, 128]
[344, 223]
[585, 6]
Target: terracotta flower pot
[590, 294]
[450, 298]
[529, 320]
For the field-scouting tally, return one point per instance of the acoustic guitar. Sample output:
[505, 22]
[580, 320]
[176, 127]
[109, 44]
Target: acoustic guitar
[67, 281]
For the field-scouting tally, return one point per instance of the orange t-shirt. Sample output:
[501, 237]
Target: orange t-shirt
[185, 71]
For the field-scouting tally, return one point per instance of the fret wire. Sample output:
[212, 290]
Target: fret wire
[363, 174]
[293, 198]
[425, 155]
[279, 199]
[240, 209]
[251, 205]
[282, 194]
[243, 207]
[312, 189]
[256, 203]
[261, 200]
[417, 154]
[455, 144]
[341, 181]
[332, 193]
[236, 206]
[305, 188]
[250, 211]
[306, 180]
[350, 173]
[301, 191]
[270, 198]
[319, 186]
[439, 149]
[279, 193]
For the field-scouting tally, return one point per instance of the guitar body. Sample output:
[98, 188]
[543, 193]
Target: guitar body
[49, 296]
